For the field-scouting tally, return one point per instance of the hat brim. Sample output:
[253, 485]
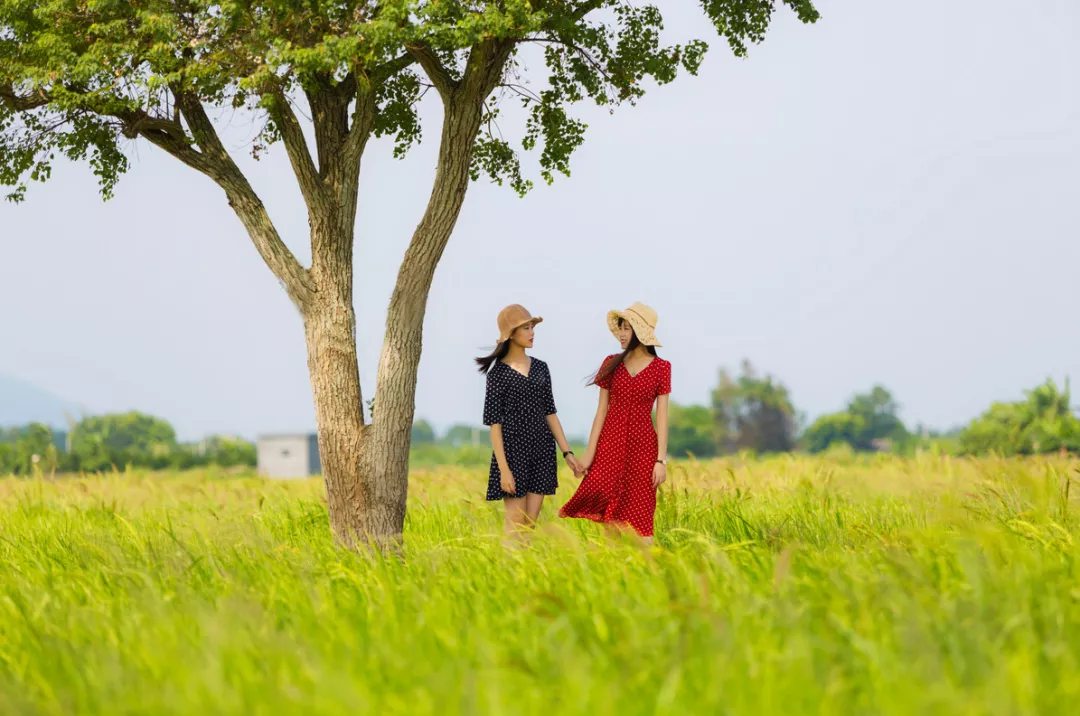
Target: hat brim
[531, 322]
[645, 334]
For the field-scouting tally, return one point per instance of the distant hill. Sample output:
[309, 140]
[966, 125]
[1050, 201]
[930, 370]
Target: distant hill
[22, 402]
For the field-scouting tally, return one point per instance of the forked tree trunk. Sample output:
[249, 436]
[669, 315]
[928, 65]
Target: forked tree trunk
[366, 467]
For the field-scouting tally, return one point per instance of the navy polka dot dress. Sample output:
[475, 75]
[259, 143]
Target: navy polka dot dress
[521, 404]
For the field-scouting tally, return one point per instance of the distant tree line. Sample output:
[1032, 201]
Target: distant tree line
[118, 441]
[105, 442]
[754, 413]
[460, 435]
[748, 412]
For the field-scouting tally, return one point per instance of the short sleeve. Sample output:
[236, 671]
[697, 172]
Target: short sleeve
[606, 382]
[549, 395]
[493, 398]
[664, 386]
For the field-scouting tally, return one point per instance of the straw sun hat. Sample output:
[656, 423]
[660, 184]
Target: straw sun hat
[641, 318]
[512, 318]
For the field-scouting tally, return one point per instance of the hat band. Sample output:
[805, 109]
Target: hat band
[641, 318]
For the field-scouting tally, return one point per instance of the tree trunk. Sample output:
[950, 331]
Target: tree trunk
[387, 453]
[366, 468]
[330, 332]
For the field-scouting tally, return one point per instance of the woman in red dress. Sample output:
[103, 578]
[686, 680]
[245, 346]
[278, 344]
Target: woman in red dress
[626, 460]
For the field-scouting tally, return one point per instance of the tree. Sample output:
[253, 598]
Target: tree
[7, 458]
[753, 413]
[82, 80]
[691, 431]
[105, 441]
[226, 451]
[1043, 422]
[868, 422]
[422, 432]
[24, 450]
[462, 434]
[877, 414]
[833, 429]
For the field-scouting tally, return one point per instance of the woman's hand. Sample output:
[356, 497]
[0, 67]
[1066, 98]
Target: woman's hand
[659, 474]
[572, 462]
[508, 484]
[584, 465]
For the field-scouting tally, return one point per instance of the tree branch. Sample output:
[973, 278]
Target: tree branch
[434, 69]
[484, 70]
[201, 127]
[522, 91]
[362, 122]
[391, 67]
[219, 166]
[14, 102]
[579, 50]
[141, 123]
[180, 150]
[585, 8]
[292, 134]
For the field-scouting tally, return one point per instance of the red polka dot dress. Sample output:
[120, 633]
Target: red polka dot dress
[619, 486]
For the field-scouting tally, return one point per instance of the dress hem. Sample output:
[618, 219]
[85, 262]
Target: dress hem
[601, 519]
[506, 495]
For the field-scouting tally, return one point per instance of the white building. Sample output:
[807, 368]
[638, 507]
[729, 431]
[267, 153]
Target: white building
[288, 456]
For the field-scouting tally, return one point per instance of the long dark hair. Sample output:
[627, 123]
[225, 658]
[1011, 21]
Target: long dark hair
[609, 367]
[498, 354]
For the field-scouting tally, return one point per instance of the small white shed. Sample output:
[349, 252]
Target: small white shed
[288, 456]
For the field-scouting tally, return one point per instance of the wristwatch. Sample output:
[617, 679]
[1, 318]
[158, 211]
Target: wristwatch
[568, 452]
[662, 462]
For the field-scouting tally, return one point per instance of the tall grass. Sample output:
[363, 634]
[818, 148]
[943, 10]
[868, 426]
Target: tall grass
[787, 586]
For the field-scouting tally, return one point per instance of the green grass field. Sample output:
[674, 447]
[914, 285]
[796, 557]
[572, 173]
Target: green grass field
[783, 586]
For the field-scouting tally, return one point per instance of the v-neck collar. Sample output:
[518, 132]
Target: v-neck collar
[635, 375]
[523, 375]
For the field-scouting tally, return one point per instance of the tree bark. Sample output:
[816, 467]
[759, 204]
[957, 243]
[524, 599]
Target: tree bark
[330, 333]
[386, 454]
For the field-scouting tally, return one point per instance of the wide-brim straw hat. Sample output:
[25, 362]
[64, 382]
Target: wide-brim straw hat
[641, 318]
[514, 317]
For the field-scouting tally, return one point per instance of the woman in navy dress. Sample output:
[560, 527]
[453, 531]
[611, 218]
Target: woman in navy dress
[519, 406]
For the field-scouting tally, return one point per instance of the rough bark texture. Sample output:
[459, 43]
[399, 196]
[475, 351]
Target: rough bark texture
[365, 467]
[386, 456]
[330, 331]
[330, 318]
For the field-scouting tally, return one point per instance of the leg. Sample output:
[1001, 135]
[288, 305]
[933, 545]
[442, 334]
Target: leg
[533, 504]
[516, 518]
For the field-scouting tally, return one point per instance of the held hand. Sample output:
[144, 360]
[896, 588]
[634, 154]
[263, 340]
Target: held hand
[585, 464]
[508, 484]
[659, 474]
[579, 469]
[572, 463]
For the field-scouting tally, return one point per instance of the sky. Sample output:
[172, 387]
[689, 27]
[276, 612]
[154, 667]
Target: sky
[888, 196]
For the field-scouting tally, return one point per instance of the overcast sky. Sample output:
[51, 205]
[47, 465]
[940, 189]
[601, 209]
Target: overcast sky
[887, 196]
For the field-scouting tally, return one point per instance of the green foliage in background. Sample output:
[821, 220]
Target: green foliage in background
[691, 431]
[748, 415]
[104, 443]
[869, 423]
[1044, 422]
[753, 413]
